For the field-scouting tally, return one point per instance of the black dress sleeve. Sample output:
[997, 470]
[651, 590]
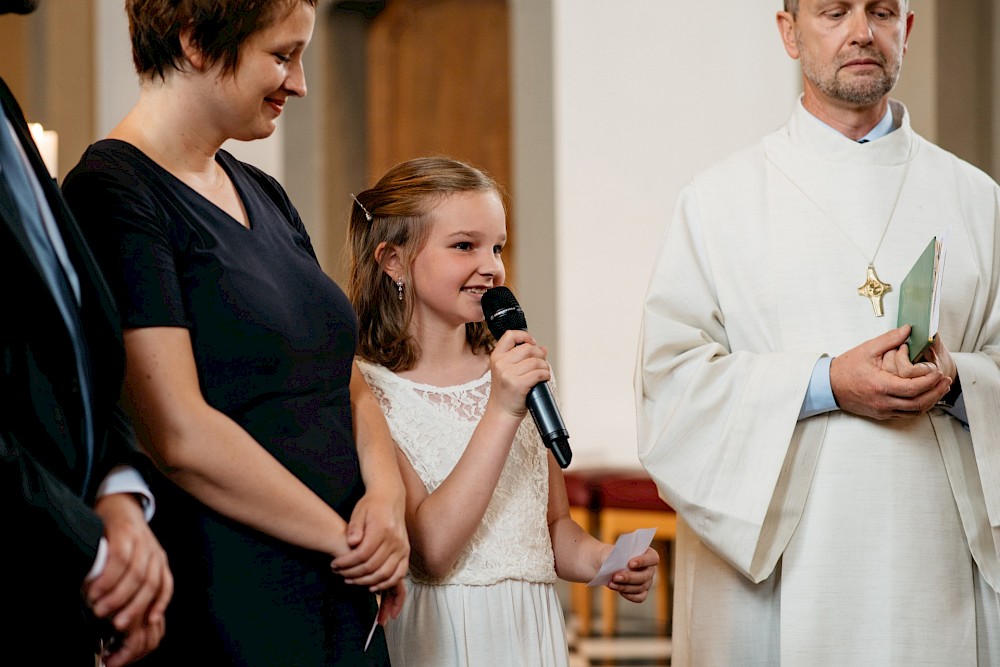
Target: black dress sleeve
[127, 230]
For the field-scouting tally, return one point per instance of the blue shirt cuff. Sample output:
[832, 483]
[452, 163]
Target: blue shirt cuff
[819, 396]
[958, 411]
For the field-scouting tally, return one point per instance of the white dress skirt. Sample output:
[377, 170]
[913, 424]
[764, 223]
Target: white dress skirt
[511, 622]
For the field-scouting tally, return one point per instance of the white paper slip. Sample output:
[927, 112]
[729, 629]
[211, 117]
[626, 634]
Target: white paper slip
[378, 599]
[626, 548]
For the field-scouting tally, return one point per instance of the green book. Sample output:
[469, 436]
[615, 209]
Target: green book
[919, 298]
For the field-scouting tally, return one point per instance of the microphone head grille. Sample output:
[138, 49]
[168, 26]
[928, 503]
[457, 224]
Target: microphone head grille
[502, 312]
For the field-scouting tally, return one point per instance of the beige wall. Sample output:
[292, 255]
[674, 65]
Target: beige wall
[918, 82]
[965, 78]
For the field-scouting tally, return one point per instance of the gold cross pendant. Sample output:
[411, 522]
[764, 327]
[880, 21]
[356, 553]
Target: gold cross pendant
[874, 289]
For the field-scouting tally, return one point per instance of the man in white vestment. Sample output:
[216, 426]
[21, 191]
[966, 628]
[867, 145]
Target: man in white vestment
[839, 505]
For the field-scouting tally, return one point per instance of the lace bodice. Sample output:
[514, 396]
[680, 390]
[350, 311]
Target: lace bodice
[432, 426]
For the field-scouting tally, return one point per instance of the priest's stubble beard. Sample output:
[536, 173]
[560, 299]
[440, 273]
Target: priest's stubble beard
[859, 90]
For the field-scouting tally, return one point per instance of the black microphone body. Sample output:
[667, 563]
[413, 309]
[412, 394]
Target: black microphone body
[503, 313]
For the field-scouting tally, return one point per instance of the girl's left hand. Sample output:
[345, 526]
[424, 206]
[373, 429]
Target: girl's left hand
[633, 584]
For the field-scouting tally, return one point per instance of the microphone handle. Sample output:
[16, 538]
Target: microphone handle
[542, 406]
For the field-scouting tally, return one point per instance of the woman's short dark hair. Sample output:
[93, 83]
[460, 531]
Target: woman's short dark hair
[218, 28]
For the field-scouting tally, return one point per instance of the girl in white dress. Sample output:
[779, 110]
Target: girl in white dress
[486, 505]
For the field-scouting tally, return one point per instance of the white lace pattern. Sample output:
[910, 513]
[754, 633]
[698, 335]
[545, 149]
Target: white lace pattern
[432, 426]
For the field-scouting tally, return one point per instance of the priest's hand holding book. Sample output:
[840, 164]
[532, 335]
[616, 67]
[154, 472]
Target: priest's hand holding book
[907, 371]
[876, 379]
[935, 357]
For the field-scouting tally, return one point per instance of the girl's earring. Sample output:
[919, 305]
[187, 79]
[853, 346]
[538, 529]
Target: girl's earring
[399, 288]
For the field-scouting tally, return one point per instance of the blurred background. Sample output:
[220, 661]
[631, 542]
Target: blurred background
[592, 113]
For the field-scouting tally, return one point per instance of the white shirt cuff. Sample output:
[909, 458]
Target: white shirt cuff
[99, 562]
[126, 479]
[121, 479]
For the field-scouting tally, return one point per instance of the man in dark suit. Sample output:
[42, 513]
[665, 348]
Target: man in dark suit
[84, 573]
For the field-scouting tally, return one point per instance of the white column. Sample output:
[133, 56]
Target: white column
[116, 80]
[644, 94]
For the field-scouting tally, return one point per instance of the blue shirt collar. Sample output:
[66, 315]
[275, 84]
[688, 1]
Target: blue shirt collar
[881, 129]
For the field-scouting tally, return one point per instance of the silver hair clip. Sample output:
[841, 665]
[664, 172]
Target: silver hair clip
[368, 216]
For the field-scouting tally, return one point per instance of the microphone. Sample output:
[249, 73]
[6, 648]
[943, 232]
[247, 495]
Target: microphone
[502, 314]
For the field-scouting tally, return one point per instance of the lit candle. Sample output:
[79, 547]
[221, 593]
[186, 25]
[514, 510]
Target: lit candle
[48, 145]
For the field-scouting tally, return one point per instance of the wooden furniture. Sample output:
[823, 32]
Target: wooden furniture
[609, 503]
[627, 502]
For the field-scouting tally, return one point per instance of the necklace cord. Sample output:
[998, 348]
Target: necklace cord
[892, 211]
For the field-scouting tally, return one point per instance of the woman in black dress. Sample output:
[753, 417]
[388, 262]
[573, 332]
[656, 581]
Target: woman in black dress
[283, 510]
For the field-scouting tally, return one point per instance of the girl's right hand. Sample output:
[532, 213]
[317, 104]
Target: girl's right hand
[517, 364]
[376, 536]
[392, 603]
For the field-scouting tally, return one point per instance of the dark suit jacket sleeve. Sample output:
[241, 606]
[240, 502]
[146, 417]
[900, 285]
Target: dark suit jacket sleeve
[52, 532]
[50, 521]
